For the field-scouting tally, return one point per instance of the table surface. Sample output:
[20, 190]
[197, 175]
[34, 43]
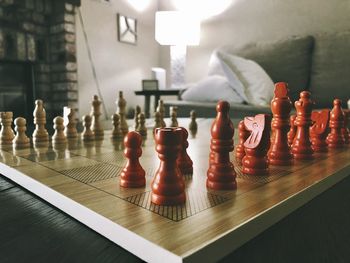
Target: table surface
[233, 217]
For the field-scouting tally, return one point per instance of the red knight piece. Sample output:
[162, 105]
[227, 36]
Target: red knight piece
[133, 174]
[255, 162]
[279, 153]
[221, 173]
[292, 130]
[168, 185]
[319, 130]
[345, 129]
[335, 138]
[301, 147]
[243, 135]
[184, 161]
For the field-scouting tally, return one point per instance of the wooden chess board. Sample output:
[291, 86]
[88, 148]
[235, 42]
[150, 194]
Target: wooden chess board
[83, 181]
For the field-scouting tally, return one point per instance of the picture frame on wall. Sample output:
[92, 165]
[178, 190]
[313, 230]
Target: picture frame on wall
[127, 29]
[149, 84]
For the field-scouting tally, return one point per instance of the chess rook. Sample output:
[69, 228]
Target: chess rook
[87, 135]
[221, 174]
[256, 146]
[168, 185]
[116, 131]
[335, 138]
[184, 161]
[319, 130]
[58, 137]
[243, 135]
[161, 110]
[301, 147]
[21, 140]
[6, 133]
[70, 124]
[96, 114]
[292, 130]
[279, 152]
[121, 110]
[40, 134]
[133, 175]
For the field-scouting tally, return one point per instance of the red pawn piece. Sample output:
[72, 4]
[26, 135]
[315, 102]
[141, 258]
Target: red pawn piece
[168, 185]
[243, 135]
[319, 130]
[255, 162]
[279, 153]
[292, 130]
[133, 174]
[301, 147]
[335, 138]
[221, 173]
[184, 161]
[345, 130]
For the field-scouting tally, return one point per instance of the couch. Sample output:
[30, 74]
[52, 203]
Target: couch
[320, 64]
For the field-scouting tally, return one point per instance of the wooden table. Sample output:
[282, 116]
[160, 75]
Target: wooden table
[257, 204]
[157, 94]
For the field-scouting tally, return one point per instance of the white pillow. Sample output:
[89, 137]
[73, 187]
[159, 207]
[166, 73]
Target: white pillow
[257, 86]
[212, 89]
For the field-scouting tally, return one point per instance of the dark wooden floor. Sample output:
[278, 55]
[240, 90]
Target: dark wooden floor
[33, 231]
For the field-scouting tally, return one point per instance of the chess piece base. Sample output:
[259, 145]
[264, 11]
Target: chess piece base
[168, 200]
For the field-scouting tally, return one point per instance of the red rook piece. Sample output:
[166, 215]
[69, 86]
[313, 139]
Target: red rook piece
[292, 130]
[221, 173]
[335, 138]
[184, 161]
[255, 162]
[301, 147]
[243, 135]
[319, 130]
[133, 174]
[279, 153]
[168, 185]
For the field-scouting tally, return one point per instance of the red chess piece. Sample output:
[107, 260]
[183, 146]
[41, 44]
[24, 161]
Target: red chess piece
[221, 174]
[243, 135]
[168, 185]
[301, 147]
[292, 130]
[184, 161]
[345, 129]
[319, 130]
[255, 162]
[279, 153]
[133, 174]
[335, 138]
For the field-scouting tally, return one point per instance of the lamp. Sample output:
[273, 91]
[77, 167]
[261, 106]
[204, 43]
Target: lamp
[178, 30]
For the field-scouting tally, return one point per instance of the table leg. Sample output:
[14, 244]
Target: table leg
[147, 103]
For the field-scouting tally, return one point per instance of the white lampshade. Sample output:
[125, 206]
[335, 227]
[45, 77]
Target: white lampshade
[177, 28]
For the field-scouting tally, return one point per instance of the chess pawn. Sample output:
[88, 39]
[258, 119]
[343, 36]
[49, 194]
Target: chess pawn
[136, 117]
[6, 133]
[168, 185]
[221, 174]
[279, 153]
[256, 146]
[318, 131]
[116, 132]
[70, 123]
[121, 107]
[292, 130]
[161, 110]
[335, 138]
[133, 175]
[21, 140]
[40, 134]
[243, 135]
[87, 134]
[345, 130]
[58, 137]
[142, 124]
[193, 127]
[173, 117]
[95, 114]
[184, 161]
[157, 121]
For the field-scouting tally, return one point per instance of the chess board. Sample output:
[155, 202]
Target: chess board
[83, 181]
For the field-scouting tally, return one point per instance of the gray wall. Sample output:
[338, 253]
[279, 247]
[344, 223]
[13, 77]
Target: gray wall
[257, 20]
[119, 66]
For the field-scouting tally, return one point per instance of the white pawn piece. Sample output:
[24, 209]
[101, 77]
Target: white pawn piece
[142, 125]
[40, 134]
[6, 133]
[161, 110]
[116, 132]
[193, 124]
[58, 137]
[121, 110]
[21, 141]
[136, 116]
[87, 135]
[70, 124]
[173, 117]
[95, 114]
[157, 121]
